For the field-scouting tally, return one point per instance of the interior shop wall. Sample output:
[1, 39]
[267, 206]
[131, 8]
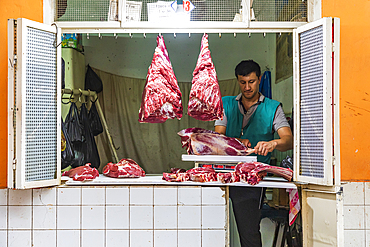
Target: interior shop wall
[131, 57]
[30, 9]
[354, 85]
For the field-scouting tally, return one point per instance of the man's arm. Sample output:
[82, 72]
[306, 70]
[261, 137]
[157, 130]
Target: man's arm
[222, 130]
[283, 144]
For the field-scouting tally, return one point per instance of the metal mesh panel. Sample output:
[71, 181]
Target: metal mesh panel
[82, 10]
[98, 10]
[41, 106]
[280, 10]
[311, 103]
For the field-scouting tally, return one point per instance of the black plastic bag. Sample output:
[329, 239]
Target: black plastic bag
[94, 119]
[73, 125]
[68, 154]
[92, 81]
[287, 162]
[63, 74]
[88, 148]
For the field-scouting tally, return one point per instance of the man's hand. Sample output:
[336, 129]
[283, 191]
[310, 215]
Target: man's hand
[246, 142]
[263, 148]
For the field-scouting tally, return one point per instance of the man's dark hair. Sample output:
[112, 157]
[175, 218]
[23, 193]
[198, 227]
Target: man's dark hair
[246, 67]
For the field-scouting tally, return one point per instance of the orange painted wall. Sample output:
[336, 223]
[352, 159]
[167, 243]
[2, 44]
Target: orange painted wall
[30, 9]
[354, 85]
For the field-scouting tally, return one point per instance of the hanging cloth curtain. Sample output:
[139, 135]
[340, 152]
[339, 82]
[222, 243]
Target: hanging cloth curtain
[265, 85]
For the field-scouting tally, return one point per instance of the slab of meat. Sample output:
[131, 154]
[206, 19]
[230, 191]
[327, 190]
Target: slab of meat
[176, 177]
[205, 97]
[253, 172]
[202, 174]
[227, 177]
[82, 173]
[198, 174]
[125, 168]
[206, 142]
[161, 98]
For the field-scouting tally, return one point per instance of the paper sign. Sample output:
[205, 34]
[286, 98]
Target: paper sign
[187, 6]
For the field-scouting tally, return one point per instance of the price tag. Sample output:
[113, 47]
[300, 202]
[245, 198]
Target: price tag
[187, 6]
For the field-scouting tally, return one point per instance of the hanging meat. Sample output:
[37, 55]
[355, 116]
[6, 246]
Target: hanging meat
[205, 97]
[161, 98]
[82, 173]
[125, 168]
[207, 142]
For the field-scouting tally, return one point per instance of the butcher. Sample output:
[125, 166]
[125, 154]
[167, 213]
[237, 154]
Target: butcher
[253, 119]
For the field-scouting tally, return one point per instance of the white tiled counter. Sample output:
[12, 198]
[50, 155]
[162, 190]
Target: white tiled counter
[147, 212]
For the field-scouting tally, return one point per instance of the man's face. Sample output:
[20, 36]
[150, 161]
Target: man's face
[249, 85]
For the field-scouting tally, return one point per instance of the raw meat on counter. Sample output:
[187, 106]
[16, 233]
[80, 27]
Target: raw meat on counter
[161, 98]
[198, 174]
[248, 172]
[205, 97]
[227, 177]
[125, 168]
[253, 172]
[82, 173]
[206, 142]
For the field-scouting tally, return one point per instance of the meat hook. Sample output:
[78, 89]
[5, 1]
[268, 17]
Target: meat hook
[100, 37]
[174, 35]
[130, 35]
[189, 35]
[115, 36]
[87, 36]
[219, 35]
[264, 35]
[144, 35]
[249, 35]
[234, 35]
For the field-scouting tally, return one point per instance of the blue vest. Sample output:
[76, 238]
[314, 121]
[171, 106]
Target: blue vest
[259, 127]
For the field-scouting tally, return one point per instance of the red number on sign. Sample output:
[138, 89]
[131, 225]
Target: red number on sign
[186, 6]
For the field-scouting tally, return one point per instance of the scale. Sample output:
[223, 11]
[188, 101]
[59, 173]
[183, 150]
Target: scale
[220, 163]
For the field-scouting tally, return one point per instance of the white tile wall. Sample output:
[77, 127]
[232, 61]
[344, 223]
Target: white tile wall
[189, 195]
[44, 196]
[44, 217]
[117, 195]
[69, 195]
[189, 217]
[3, 217]
[68, 217]
[20, 197]
[93, 217]
[354, 217]
[3, 197]
[20, 217]
[68, 238]
[117, 217]
[19, 238]
[92, 238]
[141, 238]
[213, 238]
[210, 220]
[111, 216]
[141, 195]
[188, 238]
[117, 238]
[141, 217]
[44, 238]
[354, 238]
[93, 195]
[167, 238]
[354, 193]
[165, 217]
[165, 195]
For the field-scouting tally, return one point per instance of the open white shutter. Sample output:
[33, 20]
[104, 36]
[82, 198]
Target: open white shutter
[34, 130]
[316, 96]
